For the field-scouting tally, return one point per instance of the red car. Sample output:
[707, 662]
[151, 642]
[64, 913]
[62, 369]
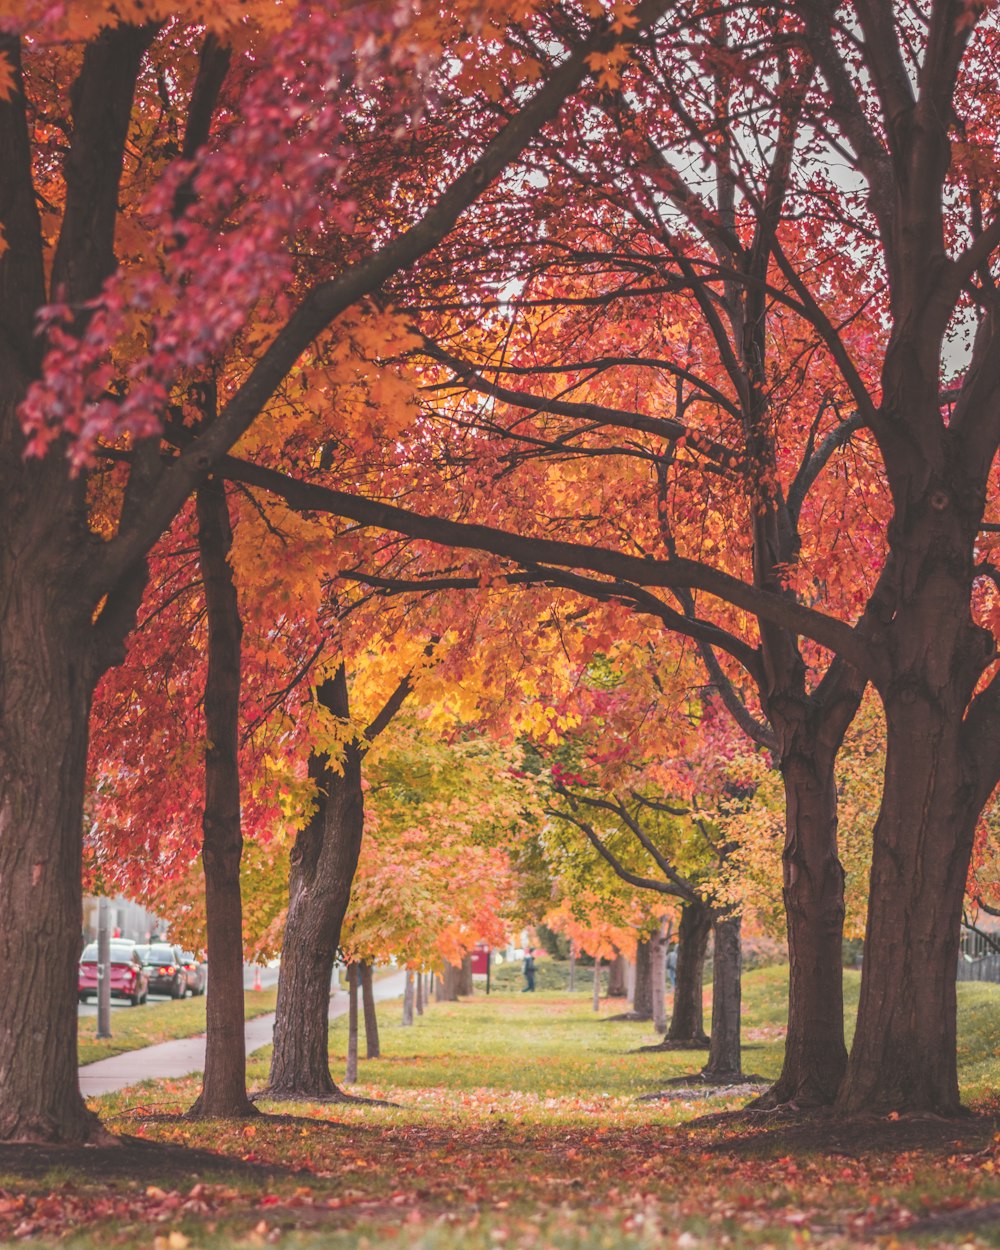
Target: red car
[128, 977]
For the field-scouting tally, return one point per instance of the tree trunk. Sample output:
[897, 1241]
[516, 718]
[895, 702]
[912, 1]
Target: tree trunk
[658, 978]
[687, 1022]
[572, 966]
[630, 982]
[904, 1052]
[597, 983]
[724, 1060]
[351, 1070]
[815, 1053]
[419, 997]
[465, 985]
[642, 998]
[372, 1048]
[447, 985]
[408, 995]
[324, 860]
[224, 1089]
[59, 631]
[616, 977]
[46, 686]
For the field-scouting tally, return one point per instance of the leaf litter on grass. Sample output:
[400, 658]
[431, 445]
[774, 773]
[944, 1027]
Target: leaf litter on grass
[519, 1128]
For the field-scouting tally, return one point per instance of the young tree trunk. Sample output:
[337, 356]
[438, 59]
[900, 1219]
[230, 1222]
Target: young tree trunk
[904, 1052]
[658, 979]
[408, 995]
[687, 1022]
[465, 984]
[616, 977]
[351, 1069]
[630, 982]
[572, 966]
[419, 996]
[642, 998]
[597, 983]
[372, 1048]
[724, 1058]
[324, 859]
[223, 1091]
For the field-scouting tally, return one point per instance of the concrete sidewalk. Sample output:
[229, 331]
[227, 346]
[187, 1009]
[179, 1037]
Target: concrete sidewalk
[187, 1054]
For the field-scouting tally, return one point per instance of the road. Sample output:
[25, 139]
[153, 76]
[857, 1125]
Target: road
[268, 977]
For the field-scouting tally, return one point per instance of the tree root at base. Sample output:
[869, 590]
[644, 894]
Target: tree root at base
[686, 1043]
[334, 1096]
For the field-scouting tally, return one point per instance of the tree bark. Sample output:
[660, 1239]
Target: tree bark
[324, 860]
[658, 978]
[616, 977]
[465, 984]
[351, 1069]
[904, 1053]
[372, 1048]
[630, 982]
[642, 1000]
[687, 1022]
[724, 1058]
[46, 682]
[447, 984]
[419, 996]
[813, 889]
[224, 1090]
[572, 966]
[408, 995]
[597, 983]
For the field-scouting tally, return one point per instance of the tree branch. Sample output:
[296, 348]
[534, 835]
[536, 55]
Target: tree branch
[534, 552]
[328, 300]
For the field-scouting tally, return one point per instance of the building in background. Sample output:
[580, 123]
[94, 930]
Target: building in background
[129, 919]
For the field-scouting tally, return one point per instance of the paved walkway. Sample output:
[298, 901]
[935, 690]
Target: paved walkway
[187, 1054]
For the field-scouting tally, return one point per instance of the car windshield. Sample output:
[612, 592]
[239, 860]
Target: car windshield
[120, 953]
[156, 954]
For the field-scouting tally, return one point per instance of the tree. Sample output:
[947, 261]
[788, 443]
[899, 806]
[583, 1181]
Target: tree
[223, 1092]
[324, 860]
[108, 365]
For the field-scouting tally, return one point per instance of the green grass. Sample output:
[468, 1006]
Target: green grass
[135, 1027]
[518, 1128]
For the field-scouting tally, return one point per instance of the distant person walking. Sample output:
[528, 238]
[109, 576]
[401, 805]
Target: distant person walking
[529, 971]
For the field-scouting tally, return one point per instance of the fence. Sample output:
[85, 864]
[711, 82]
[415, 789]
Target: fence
[986, 968]
[978, 957]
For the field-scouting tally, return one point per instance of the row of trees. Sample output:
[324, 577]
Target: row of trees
[697, 345]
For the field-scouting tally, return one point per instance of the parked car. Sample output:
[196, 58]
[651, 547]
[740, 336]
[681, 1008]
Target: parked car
[197, 973]
[128, 975]
[165, 967]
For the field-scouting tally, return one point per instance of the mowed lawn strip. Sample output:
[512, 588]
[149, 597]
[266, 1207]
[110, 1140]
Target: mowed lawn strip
[135, 1027]
[519, 1128]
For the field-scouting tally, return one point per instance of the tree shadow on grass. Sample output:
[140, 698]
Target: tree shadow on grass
[135, 1158]
[786, 1130]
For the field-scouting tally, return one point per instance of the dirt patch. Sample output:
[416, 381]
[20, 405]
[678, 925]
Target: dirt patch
[769, 1134]
[134, 1158]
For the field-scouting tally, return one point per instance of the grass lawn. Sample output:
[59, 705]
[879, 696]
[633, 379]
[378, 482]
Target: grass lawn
[518, 1127]
[135, 1027]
